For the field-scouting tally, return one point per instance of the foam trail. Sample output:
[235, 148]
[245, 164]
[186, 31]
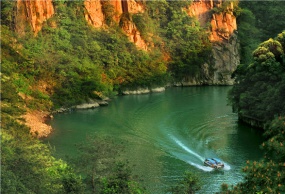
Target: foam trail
[204, 168]
[187, 149]
[201, 167]
[227, 167]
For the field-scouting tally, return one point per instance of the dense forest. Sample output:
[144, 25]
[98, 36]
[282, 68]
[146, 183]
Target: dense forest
[72, 63]
[258, 93]
[258, 98]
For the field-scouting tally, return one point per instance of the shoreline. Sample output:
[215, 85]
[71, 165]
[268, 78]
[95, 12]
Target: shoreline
[38, 121]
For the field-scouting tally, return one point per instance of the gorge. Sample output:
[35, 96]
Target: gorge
[225, 51]
[65, 56]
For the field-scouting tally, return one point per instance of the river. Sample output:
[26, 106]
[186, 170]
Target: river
[167, 134]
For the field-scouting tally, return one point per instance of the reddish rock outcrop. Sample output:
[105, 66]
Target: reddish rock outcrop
[134, 34]
[93, 13]
[36, 121]
[222, 34]
[223, 23]
[95, 16]
[34, 13]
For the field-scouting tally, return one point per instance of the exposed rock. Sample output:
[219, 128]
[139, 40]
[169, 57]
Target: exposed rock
[200, 9]
[33, 13]
[103, 103]
[93, 13]
[143, 91]
[158, 89]
[226, 58]
[137, 91]
[225, 51]
[36, 120]
[117, 4]
[223, 25]
[135, 6]
[61, 110]
[133, 33]
[87, 105]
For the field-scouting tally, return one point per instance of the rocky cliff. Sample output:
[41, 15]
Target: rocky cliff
[217, 13]
[93, 13]
[32, 13]
[95, 16]
[225, 52]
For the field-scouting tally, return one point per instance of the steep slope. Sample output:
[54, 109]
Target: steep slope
[222, 35]
[32, 13]
[218, 14]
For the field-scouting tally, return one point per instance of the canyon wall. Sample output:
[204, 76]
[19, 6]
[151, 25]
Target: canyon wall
[223, 35]
[225, 52]
[93, 13]
[95, 17]
[32, 13]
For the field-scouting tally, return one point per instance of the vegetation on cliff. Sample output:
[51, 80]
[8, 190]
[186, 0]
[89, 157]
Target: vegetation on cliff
[258, 96]
[69, 62]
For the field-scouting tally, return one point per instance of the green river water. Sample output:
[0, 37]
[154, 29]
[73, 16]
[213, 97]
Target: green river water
[167, 134]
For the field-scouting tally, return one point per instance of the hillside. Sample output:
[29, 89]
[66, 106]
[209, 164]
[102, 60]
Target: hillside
[58, 54]
[71, 52]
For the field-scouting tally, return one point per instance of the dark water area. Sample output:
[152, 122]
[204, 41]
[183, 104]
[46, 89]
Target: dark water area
[166, 134]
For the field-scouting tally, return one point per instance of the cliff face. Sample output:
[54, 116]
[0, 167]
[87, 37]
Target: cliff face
[225, 55]
[34, 13]
[225, 52]
[93, 13]
[95, 16]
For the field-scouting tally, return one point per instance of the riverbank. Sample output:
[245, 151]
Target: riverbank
[37, 121]
[161, 131]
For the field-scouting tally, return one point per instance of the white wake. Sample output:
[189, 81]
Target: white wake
[199, 166]
[187, 149]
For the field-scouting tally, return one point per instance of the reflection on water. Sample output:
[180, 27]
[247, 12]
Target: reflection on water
[168, 133]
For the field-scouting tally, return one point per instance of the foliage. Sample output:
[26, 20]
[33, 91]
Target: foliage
[188, 185]
[108, 11]
[247, 34]
[120, 181]
[186, 41]
[259, 89]
[267, 175]
[269, 17]
[27, 165]
[257, 22]
[223, 8]
[104, 173]
[259, 95]
[7, 17]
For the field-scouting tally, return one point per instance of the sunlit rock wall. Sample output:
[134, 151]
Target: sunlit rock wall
[225, 52]
[32, 13]
[95, 16]
[93, 13]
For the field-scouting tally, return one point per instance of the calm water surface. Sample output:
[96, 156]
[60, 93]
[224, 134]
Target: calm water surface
[167, 134]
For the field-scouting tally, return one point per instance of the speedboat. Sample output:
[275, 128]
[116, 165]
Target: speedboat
[214, 163]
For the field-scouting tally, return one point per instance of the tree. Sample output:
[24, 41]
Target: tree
[267, 175]
[103, 171]
[188, 185]
[258, 91]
